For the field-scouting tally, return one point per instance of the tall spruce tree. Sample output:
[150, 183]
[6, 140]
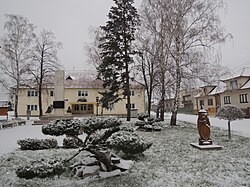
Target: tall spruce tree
[117, 52]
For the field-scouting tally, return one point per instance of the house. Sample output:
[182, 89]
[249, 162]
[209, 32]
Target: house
[206, 100]
[187, 100]
[4, 96]
[234, 90]
[238, 90]
[81, 97]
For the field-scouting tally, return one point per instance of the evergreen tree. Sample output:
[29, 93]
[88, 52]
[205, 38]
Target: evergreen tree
[116, 52]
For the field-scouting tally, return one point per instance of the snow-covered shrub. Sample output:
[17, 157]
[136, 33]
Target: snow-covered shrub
[151, 124]
[230, 113]
[69, 143]
[61, 127]
[140, 123]
[142, 116]
[128, 142]
[94, 124]
[37, 144]
[41, 169]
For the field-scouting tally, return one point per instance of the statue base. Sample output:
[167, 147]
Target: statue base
[205, 142]
[206, 147]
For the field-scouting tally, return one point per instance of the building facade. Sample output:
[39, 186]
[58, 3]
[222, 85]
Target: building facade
[81, 97]
[234, 90]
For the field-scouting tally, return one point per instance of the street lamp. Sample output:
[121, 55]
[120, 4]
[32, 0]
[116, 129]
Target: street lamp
[97, 105]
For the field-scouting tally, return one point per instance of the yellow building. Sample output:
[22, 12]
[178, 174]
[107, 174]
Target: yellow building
[81, 97]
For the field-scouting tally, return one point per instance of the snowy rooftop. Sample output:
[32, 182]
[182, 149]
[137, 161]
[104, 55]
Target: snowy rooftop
[244, 72]
[247, 85]
[221, 87]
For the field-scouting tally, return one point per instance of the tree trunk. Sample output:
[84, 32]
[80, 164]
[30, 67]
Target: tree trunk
[128, 95]
[127, 86]
[40, 85]
[173, 118]
[40, 102]
[16, 104]
[229, 130]
[178, 75]
[176, 101]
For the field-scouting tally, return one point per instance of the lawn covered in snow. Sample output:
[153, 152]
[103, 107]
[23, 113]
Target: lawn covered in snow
[171, 161]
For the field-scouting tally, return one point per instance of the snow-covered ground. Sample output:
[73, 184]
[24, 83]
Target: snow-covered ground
[241, 127]
[9, 136]
[171, 161]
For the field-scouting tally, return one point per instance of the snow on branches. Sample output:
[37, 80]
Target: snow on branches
[230, 113]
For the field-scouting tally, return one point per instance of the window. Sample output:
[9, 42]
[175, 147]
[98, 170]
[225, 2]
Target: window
[243, 98]
[51, 93]
[132, 93]
[111, 106]
[32, 93]
[132, 105]
[32, 107]
[82, 93]
[234, 84]
[227, 100]
[210, 102]
[201, 103]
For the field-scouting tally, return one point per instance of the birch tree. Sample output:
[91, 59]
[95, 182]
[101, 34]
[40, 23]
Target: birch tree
[154, 35]
[15, 53]
[45, 62]
[195, 30]
[192, 29]
[93, 52]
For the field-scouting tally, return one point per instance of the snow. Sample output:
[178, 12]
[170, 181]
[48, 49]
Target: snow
[170, 161]
[221, 87]
[240, 127]
[9, 136]
[246, 86]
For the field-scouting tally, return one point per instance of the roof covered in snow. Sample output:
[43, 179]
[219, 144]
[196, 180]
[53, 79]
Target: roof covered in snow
[221, 87]
[87, 79]
[246, 86]
[244, 72]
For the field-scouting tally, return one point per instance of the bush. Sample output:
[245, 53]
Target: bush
[36, 144]
[70, 143]
[94, 124]
[128, 142]
[41, 169]
[61, 127]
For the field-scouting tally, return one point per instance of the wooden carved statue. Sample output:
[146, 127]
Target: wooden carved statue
[203, 125]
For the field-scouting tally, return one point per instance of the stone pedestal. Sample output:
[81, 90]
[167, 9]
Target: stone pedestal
[206, 147]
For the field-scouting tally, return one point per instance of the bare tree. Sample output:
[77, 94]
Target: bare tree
[45, 62]
[92, 50]
[155, 41]
[145, 66]
[15, 53]
[191, 29]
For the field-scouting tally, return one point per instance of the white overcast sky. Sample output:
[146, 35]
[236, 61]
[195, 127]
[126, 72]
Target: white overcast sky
[70, 21]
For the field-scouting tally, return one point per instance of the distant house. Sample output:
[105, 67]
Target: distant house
[4, 96]
[81, 97]
[205, 100]
[238, 90]
[188, 103]
[234, 90]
